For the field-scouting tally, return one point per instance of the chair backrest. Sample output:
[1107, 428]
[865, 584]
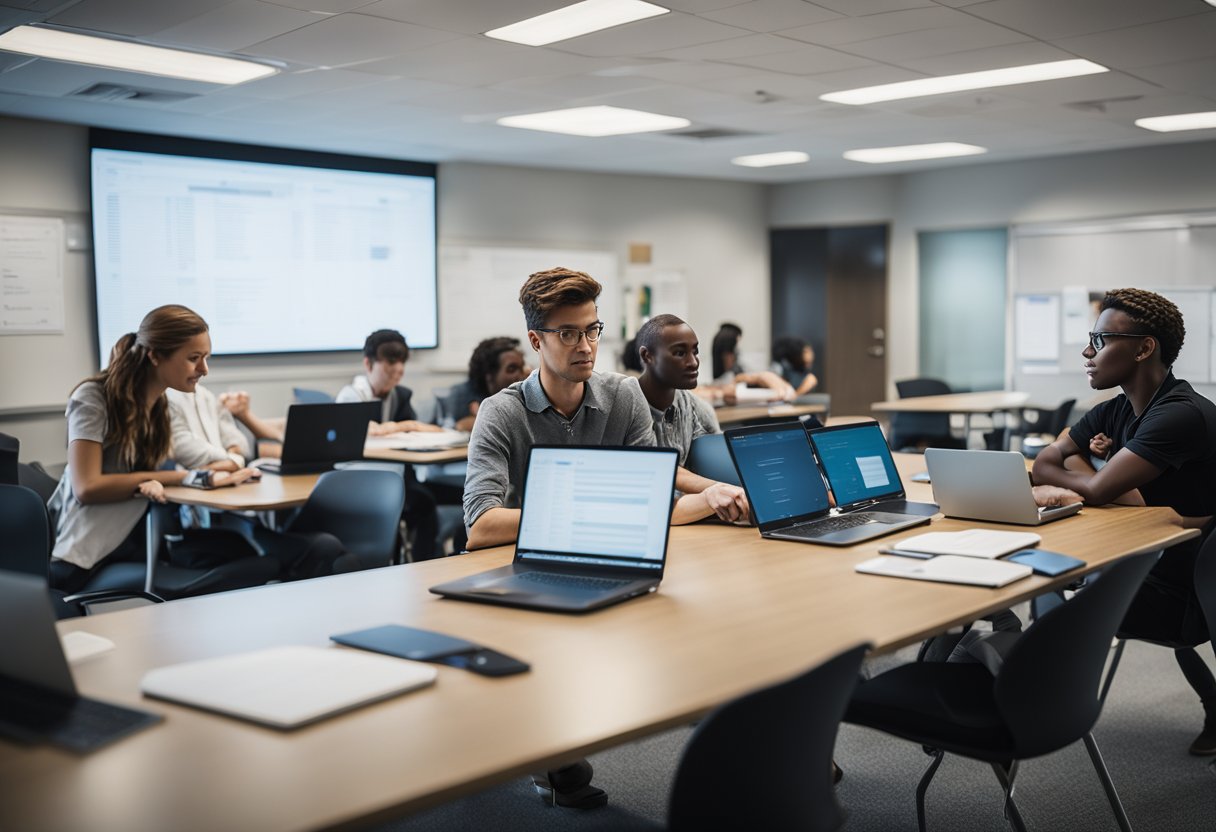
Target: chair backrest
[1047, 688]
[910, 428]
[764, 761]
[10, 448]
[24, 530]
[910, 388]
[1060, 418]
[304, 395]
[709, 457]
[360, 507]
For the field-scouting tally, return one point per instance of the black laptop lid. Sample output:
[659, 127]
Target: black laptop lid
[597, 507]
[779, 474]
[327, 433]
[858, 464]
[32, 654]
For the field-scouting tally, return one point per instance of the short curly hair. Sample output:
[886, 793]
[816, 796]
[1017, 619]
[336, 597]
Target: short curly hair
[484, 361]
[1154, 314]
[545, 291]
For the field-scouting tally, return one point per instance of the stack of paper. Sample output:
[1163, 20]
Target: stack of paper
[972, 543]
[418, 441]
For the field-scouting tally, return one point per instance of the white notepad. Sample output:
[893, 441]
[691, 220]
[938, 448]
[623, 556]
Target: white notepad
[951, 569]
[422, 440]
[971, 543]
[286, 687]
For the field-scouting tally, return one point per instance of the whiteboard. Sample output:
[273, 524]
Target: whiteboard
[479, 297]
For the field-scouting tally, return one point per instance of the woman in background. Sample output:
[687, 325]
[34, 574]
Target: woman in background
[793, 358]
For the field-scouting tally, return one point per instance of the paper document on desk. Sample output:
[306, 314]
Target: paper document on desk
[971, 543]
[755, 395]
[418, 441]
[949, 569]
[286, 687]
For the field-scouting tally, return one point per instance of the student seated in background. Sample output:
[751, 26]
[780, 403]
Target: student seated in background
[630, 360]
[793, 358]
[495, 363]
[670, 356]
[1159, 441]
[118, 437]
[727, 372]
[204, 432]
[267, 433]
[384, 355]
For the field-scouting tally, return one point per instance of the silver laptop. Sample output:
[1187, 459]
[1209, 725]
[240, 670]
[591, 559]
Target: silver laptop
[861, 472]
[38, 698]
[988, 485]
[788, 496]
[593, 530]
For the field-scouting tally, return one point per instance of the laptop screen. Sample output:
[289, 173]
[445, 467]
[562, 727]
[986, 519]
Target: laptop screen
[779, 472]
[597, 506]
[857, 462]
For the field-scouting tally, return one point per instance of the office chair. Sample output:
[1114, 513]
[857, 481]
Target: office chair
[10, 447]
[360, 506]
[304, 395]
[930, 430]
[1038, 433]
[709, 457]
[1043, 698]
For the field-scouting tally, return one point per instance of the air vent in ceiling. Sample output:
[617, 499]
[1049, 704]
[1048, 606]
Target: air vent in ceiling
[706, 133]
[118, 92]
[1099, 105]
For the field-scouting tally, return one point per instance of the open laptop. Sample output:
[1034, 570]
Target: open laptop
[592, 530]
[787, 494]
[988, 485]
[38, 698]
[318, 435]
[861, 472]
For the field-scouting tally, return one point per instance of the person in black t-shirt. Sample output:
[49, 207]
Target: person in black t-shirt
[1159, 439]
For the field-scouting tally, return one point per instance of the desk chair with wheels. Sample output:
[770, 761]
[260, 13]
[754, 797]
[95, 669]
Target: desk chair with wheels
[359, 506]
[929, 430]
[709, 457]
[1043, 698]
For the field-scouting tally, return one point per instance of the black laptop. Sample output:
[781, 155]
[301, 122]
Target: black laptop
[319, 435]
[788, 497]
[861, 473]
[592, 530]
[38, 698]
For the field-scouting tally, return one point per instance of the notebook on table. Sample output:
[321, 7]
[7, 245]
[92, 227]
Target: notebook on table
[988, 485]
[319, 435]
[861, 471]
[950, 569]
[787, 493]
[593, 530]
[38, 697]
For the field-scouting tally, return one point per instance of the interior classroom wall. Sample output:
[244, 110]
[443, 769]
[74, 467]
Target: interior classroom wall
[712, 231]
[1179, 177]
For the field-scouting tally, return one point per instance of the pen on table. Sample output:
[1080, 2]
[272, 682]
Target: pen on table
[904, 553]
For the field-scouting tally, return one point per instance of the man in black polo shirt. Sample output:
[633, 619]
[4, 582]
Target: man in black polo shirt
[1159, 440]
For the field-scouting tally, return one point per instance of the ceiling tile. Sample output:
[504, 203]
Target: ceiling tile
[1185, 76]
[132, 17]
[771, 15]
[723, 50]
[1172, 41]
[973, 35]
[648, 37]
[699, 6]
[479, 105]
[466, 18]
[860, 8]
[477, 61]
[576, 88]
[1089, 88]
[324, 6]
[1052, 19]
[235, 26]
[347, 39]
[808, 60]
[688, 72]
[306, 82]
[768, 84]
[852, 30]
[996, 57]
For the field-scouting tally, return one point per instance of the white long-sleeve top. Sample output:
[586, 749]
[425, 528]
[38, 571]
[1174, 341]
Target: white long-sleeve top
[203, 429]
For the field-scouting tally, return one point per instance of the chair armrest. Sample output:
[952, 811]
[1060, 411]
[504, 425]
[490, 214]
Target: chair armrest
[99, 596]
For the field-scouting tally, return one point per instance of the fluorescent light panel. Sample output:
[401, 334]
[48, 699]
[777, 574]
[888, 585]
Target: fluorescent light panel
[967, 81]
[1181, 121]
[768, 160]
[913, 152]
[59, 45]
[595, 121]
[572, 21]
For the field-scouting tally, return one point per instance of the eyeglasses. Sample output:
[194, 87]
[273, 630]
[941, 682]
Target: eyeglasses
[571, 336]
[1097, 340]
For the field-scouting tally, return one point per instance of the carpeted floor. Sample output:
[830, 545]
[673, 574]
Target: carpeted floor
[1150, 719]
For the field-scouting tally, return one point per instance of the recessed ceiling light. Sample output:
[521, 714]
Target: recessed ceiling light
[966, 81]
[572, 21]
[912, 152]
[59, 45]
[595, 121]
[768, 160]
[1181, 121]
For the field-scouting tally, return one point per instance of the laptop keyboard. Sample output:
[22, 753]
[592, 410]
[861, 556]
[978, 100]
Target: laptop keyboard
[829, 524]
[80, 725]
[574, 581]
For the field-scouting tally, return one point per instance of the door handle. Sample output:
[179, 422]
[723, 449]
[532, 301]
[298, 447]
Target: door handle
[876, 351]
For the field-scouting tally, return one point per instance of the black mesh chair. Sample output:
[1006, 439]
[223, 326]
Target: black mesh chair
[1041, 431]
[359, 506]
[709, 457]
[922, 430]
[1043, 698]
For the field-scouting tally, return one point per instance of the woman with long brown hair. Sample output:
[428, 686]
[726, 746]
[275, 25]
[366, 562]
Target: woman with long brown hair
[118, 437]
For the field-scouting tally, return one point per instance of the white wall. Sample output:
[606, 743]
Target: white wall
[1113, 184]
[714, 231]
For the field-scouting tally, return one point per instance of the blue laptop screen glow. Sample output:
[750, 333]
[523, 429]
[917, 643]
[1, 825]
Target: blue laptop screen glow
[597, 506]
[779, 471]
[858, 463]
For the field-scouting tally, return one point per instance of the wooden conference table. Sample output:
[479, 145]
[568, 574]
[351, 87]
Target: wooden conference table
[736, 414]
[968, 404]
[734, 613]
